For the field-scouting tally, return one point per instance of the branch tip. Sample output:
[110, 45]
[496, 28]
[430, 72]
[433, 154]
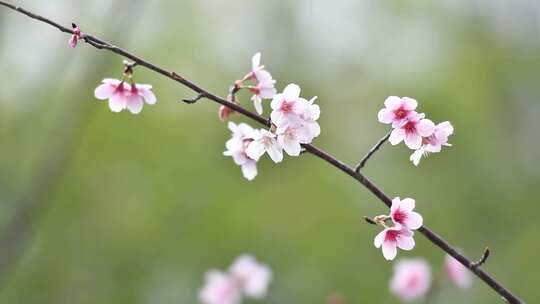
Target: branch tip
[369, 220]
[483, 258]
[193, 100]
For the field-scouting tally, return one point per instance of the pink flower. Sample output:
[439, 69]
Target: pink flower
[457, 273]
[246, 277]
[265, 141]
[220, 288]
[310, 114]
[412, 131]
[411, 279]
[224, 112]
[263, 90]
[76, 36]
[434, 142]
[252, 276]
[291, 139]
[287, 107]
[397, 110]
[122, 95]
[401, 213]
[242, 136]
[393, 237]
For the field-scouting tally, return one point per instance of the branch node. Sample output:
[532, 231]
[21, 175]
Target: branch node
[193, 100]
[482, 259]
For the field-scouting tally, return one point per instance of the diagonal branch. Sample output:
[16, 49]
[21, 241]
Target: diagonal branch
[372, 151]
[374, 189]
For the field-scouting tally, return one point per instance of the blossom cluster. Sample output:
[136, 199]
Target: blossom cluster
[417, 132]
[412, 278]
[125, 96]
[293, 123]
[400, 233]
[245, 278]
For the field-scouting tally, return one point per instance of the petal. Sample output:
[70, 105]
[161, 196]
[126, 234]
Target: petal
[256, 61]
[446, 127]
[395, 204]
[413, 141]
[396, 136]
[416, 156]
[257, 102]
[291, 92]
[249, 169]
[292, 147]
[104, 91]
[276, 102]
[135, 104]
[379, 239]
[389, 250]
[407, 204]
[111, 81]
[148, 96]
[255, 150]
[414, 220]
[405, 242]
[393, 102]
[117, 102]
[275, 152]
[425, 127]
[385, 116]
[409, 103]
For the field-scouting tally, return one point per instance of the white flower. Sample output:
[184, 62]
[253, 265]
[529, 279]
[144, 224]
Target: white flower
[219, 288]
[287, 107]
[265, 141]
[242, 136]
[253, 277]
[264, 89]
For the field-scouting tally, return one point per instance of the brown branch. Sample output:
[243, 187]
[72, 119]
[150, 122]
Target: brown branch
[372, 151]
[383, 197]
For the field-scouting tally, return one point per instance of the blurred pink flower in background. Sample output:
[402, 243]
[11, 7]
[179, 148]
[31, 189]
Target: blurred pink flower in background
[246, 277]
[411, 279]
[457, 273]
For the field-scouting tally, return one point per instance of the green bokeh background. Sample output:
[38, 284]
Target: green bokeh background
[132, 209]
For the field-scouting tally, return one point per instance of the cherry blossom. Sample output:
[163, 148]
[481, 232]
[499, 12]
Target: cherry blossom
[255, 65]
[220, 288]
[397, 110]
[124, 96]
[401, 213]
[76, 36]
[457, 273]
[242, 136]
[252, 276]
[310, 114]
[288, 107]
[434, 142]
[411, 279]
[265, 141]
[291, 139]
[392, 238]
[263, 90]
[412, 131]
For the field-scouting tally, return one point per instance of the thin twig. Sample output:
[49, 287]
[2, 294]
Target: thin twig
[372, 151]
[383, 197]
[194, 99]
[483, 258]
[369, 220]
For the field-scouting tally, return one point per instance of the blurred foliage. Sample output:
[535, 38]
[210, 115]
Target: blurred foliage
[145, 204]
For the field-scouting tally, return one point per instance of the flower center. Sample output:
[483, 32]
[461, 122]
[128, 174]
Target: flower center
[391, 235]
[287, 106]
[399, 216]
[410, 127]
[400, 113]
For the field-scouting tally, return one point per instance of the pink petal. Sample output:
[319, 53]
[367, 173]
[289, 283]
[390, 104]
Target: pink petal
[249, 170]
[255, 150]
[425, 127]
[385, 116]
[395, 204]
[407, 204]
[379, 239]
[134, 104]
[275, 152]
[405, 242]
[104, 91]
[117, 102]
[257, 102]
[409, 103]
[396, 136]
[393, 102]
[413, 141]
[389, 250]
[277, 101]
[414, 220]
[148, 96]
[446, 127]
[291, 92]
